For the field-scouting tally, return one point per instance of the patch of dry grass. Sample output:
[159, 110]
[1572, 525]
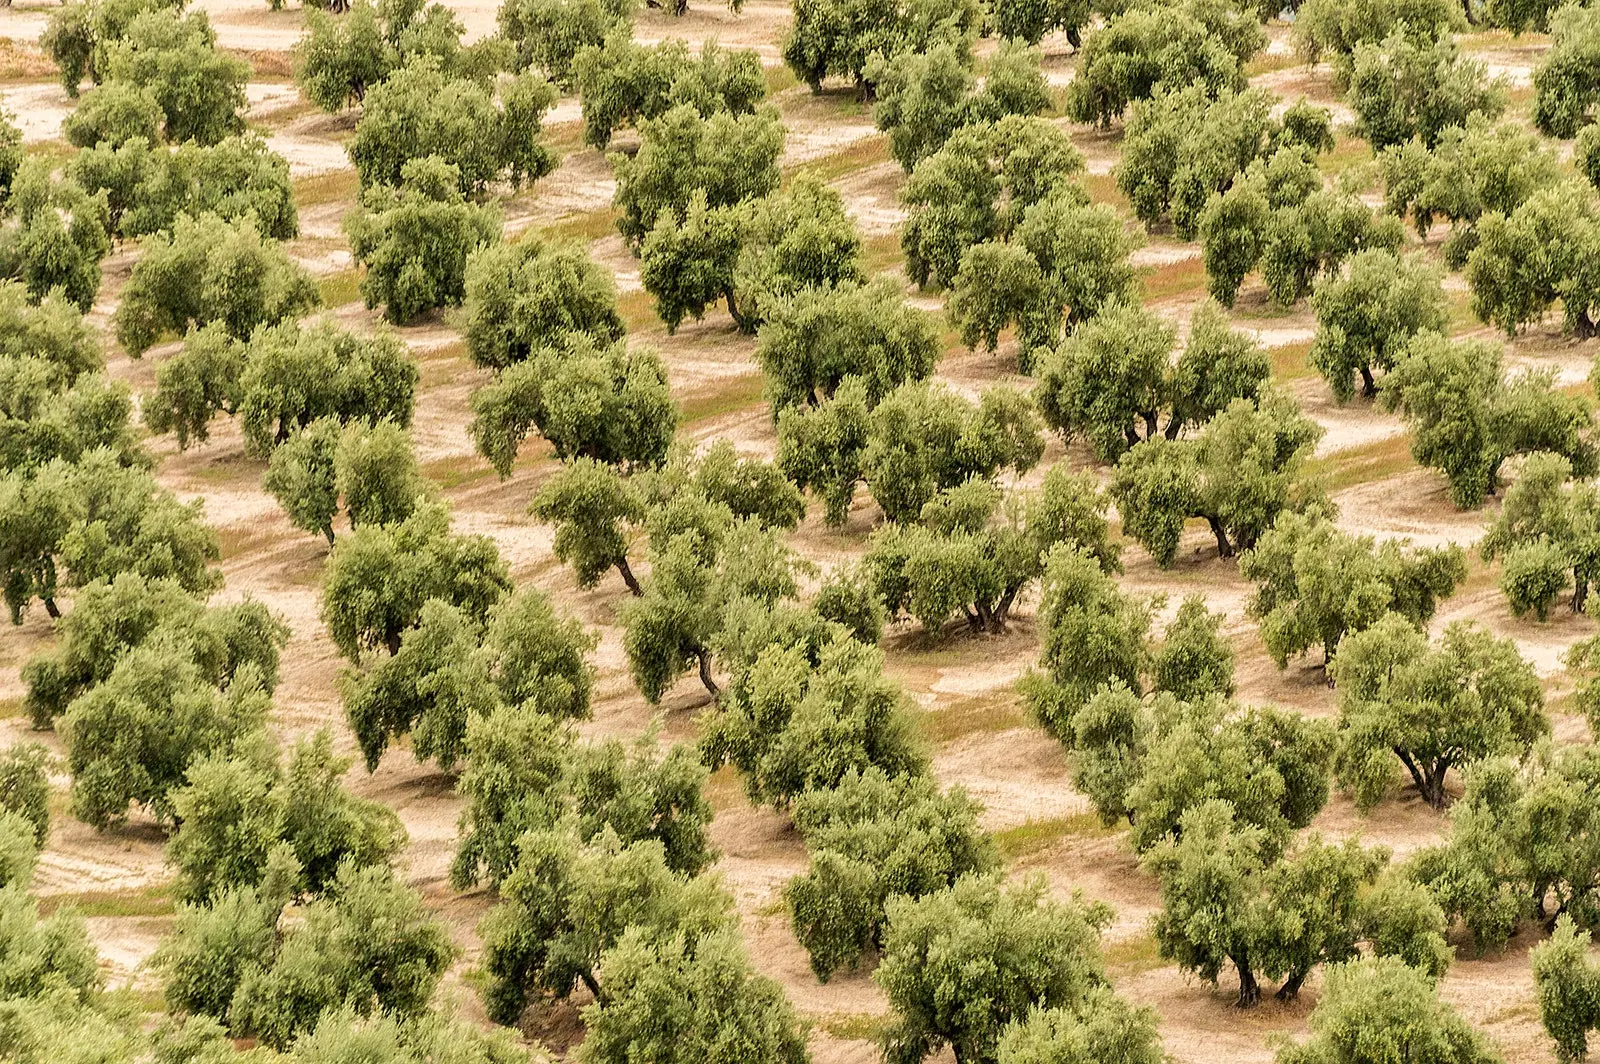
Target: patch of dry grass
[145, 901]
[340, 288]
[1102, 188]
[1036, 836]
[1378, 460]
[972, 716]
[729, 396]
[1186, 277]
[334, 187]
[21, 61]
[1291, 361]
[868, 151]
[1132, 956]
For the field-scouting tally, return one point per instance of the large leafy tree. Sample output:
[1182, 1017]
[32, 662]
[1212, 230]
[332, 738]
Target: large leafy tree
[1539, 252]
[532, 295]
[837, 38]
[1401, 89]
[595, 510]
[415, 239]
[1568, 986]
[1332, 30]
[173, 55]
[730, 158]
[1244, 468]
[1315, 584]
[380, 577]
[622, 82]
[1472, 697]
[1114, 380]
[1567, 83]
[53, 234]
[547, 34]
[210, 270]
[961, 964]
[1466, 419]
[1544, 510]
[1368, 314]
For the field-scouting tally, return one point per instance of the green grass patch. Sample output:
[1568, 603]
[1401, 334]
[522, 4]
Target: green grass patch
[972, 716]
[881, 252]
[340, 288]
[564, 138]
[145, 901]
[1185, 277]
[237, 540]
[854, 1026]
[1102, 188]
[638, 310]
[58, 150]
[1347, 152]
[10, 707]
[332, 187]
[1265, 63]
[1369, 462]
[866, 152]
[779, 79]
[459, 471]
[1291, 362]
[1459, 315]
[1035, 836]
[586, 225]
[731, 396]
[1131, 956]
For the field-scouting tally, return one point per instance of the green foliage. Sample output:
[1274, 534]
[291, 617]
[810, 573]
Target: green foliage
[1227, 899]
[1174, 47]
[415, 240]
[233, 814]
[730, 158]
[872, 838]
[837, 38]
[1540, 252]
[1332, 30]
[613, 405]
[1113, 381]
[53, 234]
[532, 295]
[1567, 83]
[593, 508]
[974, 552]
[25, 787]
[199, 89]
[293, 375]
[625, 83]
[924, 97]
[566, 903]
[133, 737]
[1315, 584]
[814, 341]
[369, 945]
[1466, 419]
[1568, 984]
[961, 964]
[110, 617]
[1103, 1029]
[1551, 524]
[379, 578]
[684, 1000]
[1368, 314]
[422, 109]
[1400, 89]
[1030, 20]
[113, 114]
[801, 721]
[1271, 766]
[44, 956]
[548, 34]
[1474, 697]
[976, 188]
[208, 270]
[1382, 1009]
[340, 58]
[1193, 660]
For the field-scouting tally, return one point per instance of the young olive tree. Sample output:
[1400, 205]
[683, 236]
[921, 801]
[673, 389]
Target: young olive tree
[1114, 380]
[415, 239]
[1471, 698]
[837, 38]
[1368, 314]
[209, 270]
[199, 89]
[1315, 584]
[595, 510]
[53, 235]
[1546, 517]
[1568, 985]
[1332, 30]
[548, 34]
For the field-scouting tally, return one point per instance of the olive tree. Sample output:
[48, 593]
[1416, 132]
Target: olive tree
[25, 787]
[199, 88]
[114, 114]
[961, 964]
[613, 405]
[1400, 89]
[548, 34]
[1114, 380]
[421, 110]
[53, 234]
[531, 295]
[294, 374]
[1176, 46]
[1539, 252]
[1030, 20]
[872, 838]
[815, 340]
[1567, 83]
[1228, 899]
[622, 82]
[1368, 314]
[976, 187]
[415, 239]
[1558, 521]
[238, 175]
[1243, 469]
[207, 270]
[973, 552]
[837, 38]
[924, 97]
[1332, 30]
[1382, 1008]
[1315, 584]
[1471, 698]
[1568, 985]
[1466, 419]
[340, 58]
[380, 577]
[595, 510]
[731, 158]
